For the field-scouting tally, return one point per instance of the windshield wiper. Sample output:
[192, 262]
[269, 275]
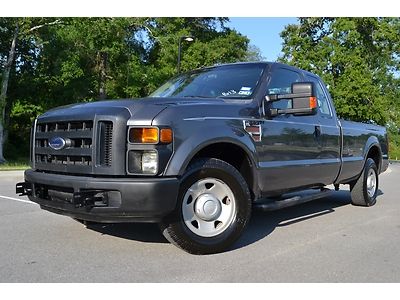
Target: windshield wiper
[191, 96]
[232, 97]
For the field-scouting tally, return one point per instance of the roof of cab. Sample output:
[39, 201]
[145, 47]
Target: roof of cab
[264, 63]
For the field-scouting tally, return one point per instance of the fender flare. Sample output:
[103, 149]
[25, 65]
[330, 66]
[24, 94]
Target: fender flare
[185, 153]
[371, 143]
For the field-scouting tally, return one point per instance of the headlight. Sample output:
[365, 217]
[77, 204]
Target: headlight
[149, 135]
[143, 162]
[147, 146]
[150, 162]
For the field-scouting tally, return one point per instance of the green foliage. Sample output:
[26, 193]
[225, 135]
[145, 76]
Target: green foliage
[254, 54]
[358, 58]
[60, 64]
[394, 151]
[23, 115]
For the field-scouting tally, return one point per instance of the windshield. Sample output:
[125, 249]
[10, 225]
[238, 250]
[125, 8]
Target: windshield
[233, 81]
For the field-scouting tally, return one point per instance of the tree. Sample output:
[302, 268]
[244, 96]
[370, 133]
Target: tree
[27, 28]
[253, 53]
[4, 87]
[358, 58]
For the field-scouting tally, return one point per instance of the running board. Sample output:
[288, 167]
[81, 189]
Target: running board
[278, 204]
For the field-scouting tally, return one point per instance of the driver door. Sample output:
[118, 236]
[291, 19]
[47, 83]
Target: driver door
[289, 150]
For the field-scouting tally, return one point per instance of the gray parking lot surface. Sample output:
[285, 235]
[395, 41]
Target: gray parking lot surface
[327, 240]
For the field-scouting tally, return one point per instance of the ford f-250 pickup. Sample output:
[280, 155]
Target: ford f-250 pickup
[201, 152]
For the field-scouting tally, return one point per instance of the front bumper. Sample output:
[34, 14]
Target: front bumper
[102, 199]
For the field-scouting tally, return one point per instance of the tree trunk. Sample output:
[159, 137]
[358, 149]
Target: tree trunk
[2, 160]
[7, 116]
[103, 75]
[4, 86]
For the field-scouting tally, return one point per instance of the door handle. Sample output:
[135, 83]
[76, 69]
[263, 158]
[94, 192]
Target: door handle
[317, 131]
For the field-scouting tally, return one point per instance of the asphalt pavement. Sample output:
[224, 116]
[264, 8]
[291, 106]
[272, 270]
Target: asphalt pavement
[327, 240]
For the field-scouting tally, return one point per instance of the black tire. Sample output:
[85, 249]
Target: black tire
[360, 194]
[178, 232]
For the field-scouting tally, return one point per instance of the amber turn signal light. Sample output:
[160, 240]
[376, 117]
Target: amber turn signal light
[166, 135]
[143, 135]
[313, 102]
[150, 135]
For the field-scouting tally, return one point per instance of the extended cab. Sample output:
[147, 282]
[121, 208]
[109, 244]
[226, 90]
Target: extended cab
[201, 151]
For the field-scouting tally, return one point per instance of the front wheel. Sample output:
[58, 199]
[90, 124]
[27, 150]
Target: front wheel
[214, 207]
[365, 189]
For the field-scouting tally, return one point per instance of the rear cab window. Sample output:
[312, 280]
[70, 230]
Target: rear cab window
[322, 98]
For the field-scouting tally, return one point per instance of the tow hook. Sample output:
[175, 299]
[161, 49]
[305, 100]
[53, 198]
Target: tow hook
[23, 188]
[90, 198]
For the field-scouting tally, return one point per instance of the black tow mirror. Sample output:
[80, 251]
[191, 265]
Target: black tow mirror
[304, 100]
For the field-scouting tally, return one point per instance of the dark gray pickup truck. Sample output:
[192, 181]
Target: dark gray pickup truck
[201, 152]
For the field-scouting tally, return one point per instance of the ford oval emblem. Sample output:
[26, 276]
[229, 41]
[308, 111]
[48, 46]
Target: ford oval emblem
[57, 143]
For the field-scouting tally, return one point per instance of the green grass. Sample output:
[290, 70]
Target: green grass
[394, 152]
[14, 165]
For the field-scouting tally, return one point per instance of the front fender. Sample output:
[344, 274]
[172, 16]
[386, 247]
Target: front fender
[204, 134]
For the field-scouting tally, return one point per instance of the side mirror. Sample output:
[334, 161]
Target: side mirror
[304, 100]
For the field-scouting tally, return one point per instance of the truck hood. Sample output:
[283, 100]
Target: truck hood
[138, 111]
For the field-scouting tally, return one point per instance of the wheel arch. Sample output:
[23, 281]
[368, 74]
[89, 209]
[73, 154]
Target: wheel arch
[373, 150]
[233, 154]
[375, 153]
[233, 151]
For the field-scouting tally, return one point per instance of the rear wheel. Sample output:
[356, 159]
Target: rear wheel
[364, 190]
[214, 207]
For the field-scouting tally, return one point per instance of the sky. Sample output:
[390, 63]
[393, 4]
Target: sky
[263, 33]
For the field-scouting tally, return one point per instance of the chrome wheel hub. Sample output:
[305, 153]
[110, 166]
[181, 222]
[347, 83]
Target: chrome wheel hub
[371, 183]
[208, 207]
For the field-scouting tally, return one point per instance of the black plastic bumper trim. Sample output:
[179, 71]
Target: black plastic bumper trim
[142, 199]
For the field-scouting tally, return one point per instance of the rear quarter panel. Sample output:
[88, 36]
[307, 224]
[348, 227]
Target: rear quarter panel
[358, 139]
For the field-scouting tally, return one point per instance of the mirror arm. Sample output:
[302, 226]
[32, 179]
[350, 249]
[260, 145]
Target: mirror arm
[305, 103]
[287, 96]
[294, 111]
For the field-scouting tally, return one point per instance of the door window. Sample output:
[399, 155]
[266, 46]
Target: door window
[281, 83]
